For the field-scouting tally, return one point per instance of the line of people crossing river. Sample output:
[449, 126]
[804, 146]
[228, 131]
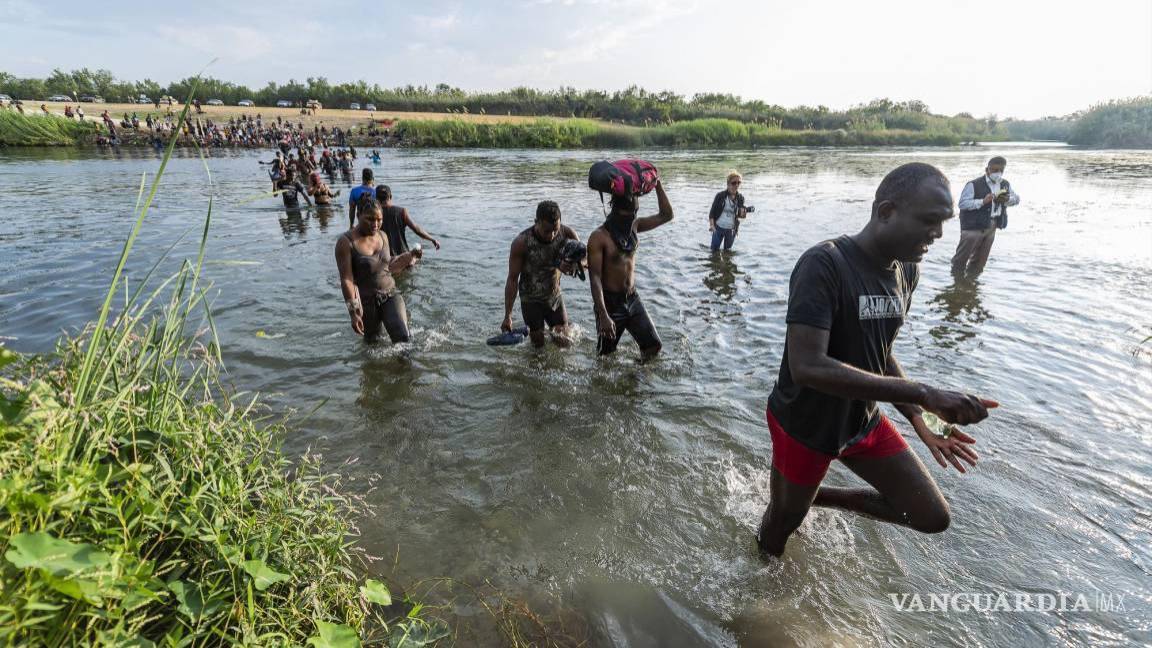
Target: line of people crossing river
[848, 298]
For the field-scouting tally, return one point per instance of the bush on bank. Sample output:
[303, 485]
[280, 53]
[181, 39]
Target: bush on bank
[1117, 124]
[142, 504]
[698, 133]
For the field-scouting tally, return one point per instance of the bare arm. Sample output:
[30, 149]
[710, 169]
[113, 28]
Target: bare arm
[811, 366]
[348, 284]
[419, 230]
[515, 265]
[909, 410]
[952, 448]
[665, 215]
[400, 262]
[596, 256]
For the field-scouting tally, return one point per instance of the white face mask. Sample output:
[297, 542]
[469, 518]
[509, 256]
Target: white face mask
[995, 177]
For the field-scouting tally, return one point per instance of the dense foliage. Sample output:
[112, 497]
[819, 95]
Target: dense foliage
[1048, 129]
[1119, 123]
[698, 133]
[633, 105]
[1125, 123]
[141, 504]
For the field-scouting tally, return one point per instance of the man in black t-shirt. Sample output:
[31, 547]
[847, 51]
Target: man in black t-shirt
[847, 300]
[291, 190]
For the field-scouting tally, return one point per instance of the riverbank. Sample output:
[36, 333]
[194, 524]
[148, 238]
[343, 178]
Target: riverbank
[626, 489]
[484, 131]
[698, 133]
[147, 504]
[43, 130]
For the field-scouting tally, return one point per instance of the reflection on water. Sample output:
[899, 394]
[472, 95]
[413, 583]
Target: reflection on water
[294, 221]
[722, 273]
[630, 492]
[962, 313]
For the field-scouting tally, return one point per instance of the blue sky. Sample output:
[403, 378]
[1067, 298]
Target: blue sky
[1022, 58]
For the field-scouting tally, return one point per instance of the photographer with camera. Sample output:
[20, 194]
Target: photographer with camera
[538, 255]
[728, 209]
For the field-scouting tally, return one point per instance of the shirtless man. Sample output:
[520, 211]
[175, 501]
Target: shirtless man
[611, 270]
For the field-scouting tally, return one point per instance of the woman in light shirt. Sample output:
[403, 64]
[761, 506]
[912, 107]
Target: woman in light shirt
[727, 211]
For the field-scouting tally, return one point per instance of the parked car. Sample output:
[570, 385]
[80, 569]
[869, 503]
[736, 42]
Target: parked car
[60, 98]
[353, 106]
[283, 103]
[5, 100]
[370, 107]
[92, 99]
[214, 102]
[312, 103]
[247, 103]
[143, 99]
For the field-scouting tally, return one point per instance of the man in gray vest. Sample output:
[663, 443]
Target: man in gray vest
[984, 207]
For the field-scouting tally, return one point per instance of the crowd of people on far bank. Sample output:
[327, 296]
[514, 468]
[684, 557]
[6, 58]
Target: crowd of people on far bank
[243, 131]
[848, 298]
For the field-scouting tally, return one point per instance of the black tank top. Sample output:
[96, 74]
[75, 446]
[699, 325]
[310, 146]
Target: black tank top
[370, 271]
[539, 275]
[394, 228]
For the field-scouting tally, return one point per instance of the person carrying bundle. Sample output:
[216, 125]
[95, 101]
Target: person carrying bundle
[612, 251]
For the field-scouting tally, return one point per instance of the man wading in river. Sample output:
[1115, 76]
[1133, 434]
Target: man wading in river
[611, 274]
[847, 300]
[365, 189]
[984, 204]
[534, 267]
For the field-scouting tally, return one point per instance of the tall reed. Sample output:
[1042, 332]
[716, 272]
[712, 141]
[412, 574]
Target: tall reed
[42, 130]
[142, 504]
[697, 133]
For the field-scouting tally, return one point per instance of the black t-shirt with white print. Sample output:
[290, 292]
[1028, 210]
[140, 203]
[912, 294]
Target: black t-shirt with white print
[290, 192]
[836, 287]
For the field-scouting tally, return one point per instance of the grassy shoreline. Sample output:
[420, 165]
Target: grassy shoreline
[43, 130]
[142, 503]
[518, 133]
[699, 133]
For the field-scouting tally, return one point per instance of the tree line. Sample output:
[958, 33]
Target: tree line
[633, 105]
[1123, 123]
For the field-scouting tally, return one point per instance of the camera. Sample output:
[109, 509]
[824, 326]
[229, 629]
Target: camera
[749, 208]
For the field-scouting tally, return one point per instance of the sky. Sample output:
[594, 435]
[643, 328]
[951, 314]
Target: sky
[1024, 59]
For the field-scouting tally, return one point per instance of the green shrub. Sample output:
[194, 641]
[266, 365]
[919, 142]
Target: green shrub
[141, 503]
[1126, 123]
[697, 133]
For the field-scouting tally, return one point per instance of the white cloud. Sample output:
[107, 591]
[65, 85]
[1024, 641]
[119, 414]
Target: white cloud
[442, 22]
[227, 42]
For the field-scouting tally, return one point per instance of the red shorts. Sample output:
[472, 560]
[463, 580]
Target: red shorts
[806, 467]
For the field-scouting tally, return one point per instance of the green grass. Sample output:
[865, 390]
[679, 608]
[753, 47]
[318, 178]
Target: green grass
[697, 133]
[42, 130]
[141, 503]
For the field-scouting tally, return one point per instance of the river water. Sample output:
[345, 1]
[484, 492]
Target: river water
[628, 494]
